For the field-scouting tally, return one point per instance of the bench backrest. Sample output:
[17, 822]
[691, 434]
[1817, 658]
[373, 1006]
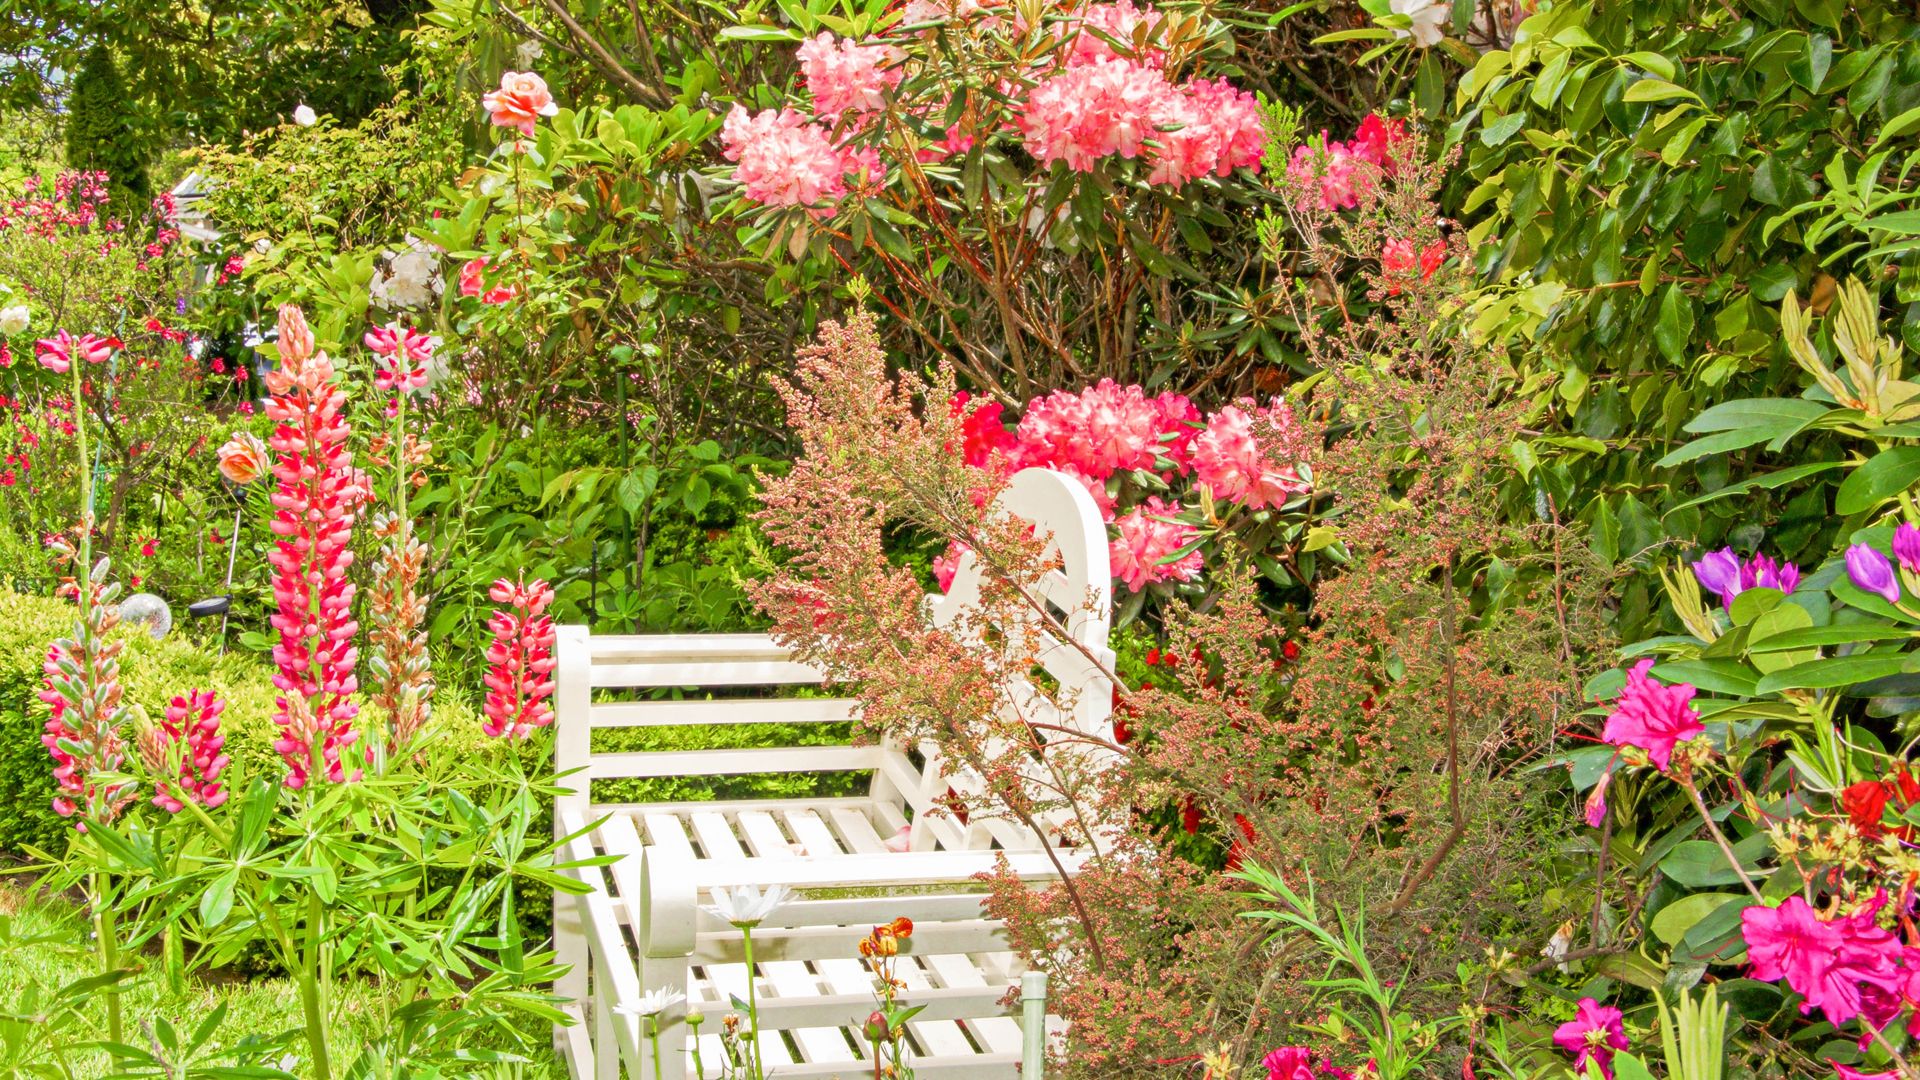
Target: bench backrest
[1079, 591]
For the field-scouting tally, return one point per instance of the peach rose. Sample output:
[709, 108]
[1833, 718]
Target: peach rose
[520, 102]
[243, 458]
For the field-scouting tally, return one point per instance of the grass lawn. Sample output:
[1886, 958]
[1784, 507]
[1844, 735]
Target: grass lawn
[255, 1006]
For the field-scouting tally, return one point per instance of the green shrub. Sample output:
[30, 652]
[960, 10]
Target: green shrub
[152, 671]
[100, 130]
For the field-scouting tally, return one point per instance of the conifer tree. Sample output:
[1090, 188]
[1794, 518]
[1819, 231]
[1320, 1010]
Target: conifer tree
[100, 130]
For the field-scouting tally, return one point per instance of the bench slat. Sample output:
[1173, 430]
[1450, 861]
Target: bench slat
[703, 673]
[628, 714]
[786, 759]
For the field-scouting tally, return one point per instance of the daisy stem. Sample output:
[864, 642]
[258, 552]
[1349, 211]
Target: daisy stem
[753, 1009]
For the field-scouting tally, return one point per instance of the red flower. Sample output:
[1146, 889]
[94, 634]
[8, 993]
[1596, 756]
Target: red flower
[1864, 804]
[1190, 815]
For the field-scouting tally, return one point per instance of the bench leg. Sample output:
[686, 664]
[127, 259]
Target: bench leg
[570, 948]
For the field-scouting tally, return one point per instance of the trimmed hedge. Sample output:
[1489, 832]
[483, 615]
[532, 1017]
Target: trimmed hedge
[153, 671]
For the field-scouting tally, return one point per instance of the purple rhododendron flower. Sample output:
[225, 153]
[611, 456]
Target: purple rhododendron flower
[1871, 572]
[1724, 573]
[1594, 1033]
[1906, 546]
[1652, 716]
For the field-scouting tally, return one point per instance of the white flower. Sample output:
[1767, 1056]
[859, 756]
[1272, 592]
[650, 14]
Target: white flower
[746, 906]
[263, 245]
[15, 319]
[527, 52]
[412, 277]
[652, 1003]
[1428, 17]
[304, 116]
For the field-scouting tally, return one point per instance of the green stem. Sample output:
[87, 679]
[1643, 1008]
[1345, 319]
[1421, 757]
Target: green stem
[653, 1034]
[753, 1008]
[105, 931]
[313, 1002]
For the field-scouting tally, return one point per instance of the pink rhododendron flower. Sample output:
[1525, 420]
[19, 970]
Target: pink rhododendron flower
[1289, 1063]
[1848, 1072]
[1206, 128]
[1105, 429]
[1594, 1033]
[1331, 172]
[520, 660]
[782, 160]
[1824, 961]
[1652, 716]
[1228, 459]
[1116, 21]
[846, 77]
[947, 564]
[520, 102]
[1179, 425]
[1145, 540]
[1596, 809]
[983, 433]
[1101, 109]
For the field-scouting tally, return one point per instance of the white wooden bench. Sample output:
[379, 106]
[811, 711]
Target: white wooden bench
[643, 924]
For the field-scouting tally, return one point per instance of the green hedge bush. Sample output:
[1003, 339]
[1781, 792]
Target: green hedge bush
[153, 671]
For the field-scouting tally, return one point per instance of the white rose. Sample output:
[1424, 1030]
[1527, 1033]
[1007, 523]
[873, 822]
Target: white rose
[304, 116]
[14, 320]
[1428, 17]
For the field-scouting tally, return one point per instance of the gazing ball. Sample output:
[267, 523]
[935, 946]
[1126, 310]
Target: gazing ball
[149, 611]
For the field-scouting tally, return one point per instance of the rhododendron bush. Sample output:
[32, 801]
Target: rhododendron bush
[1022, 177]
[1374, 751]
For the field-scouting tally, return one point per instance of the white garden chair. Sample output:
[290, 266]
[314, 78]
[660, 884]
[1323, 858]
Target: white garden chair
[643, 924]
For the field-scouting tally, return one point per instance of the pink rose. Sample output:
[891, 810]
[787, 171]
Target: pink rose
[520, 102]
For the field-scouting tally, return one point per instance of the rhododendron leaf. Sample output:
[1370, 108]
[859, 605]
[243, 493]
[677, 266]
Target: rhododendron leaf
[1833, 672]
[1762, 412]
[1714, 676]
[1625, 1067]
[1753, 603]
[1812, 637]
[1775, 479]
[1856, 597]
[1884, 475]
[1674, 920]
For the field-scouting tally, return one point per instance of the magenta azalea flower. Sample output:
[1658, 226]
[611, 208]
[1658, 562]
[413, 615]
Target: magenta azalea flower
[1652, 716]
[1871, 572]
[1289, 1063]
[1825, 962]
[1594, 1033]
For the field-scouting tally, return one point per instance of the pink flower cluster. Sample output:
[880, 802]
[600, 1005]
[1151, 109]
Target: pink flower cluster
[784, 160]
[520, 660]
[193, 720]
[1333, 175]
[473, 282]
[1228, 459]
[1111, 107]
[1398, 260]
[314, 504]
[401, 355]
[1592, 1036]
[1652, 716]
[1088, 30]
[74, 205]
[1845, 966]
[1110, 429]
[844, 76]
[1148, 538]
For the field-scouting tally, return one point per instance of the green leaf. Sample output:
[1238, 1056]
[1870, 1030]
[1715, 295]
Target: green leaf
[1834, 671]
[1625, 1067]
[1814, 637]
[1884, 475]
[1713, 676]
[217, 902]
[1698, 864]
[1719, 442]
[1657, 90]
[1765, 480]
[1673, 331]
[1677, 918]
[1781, 414]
